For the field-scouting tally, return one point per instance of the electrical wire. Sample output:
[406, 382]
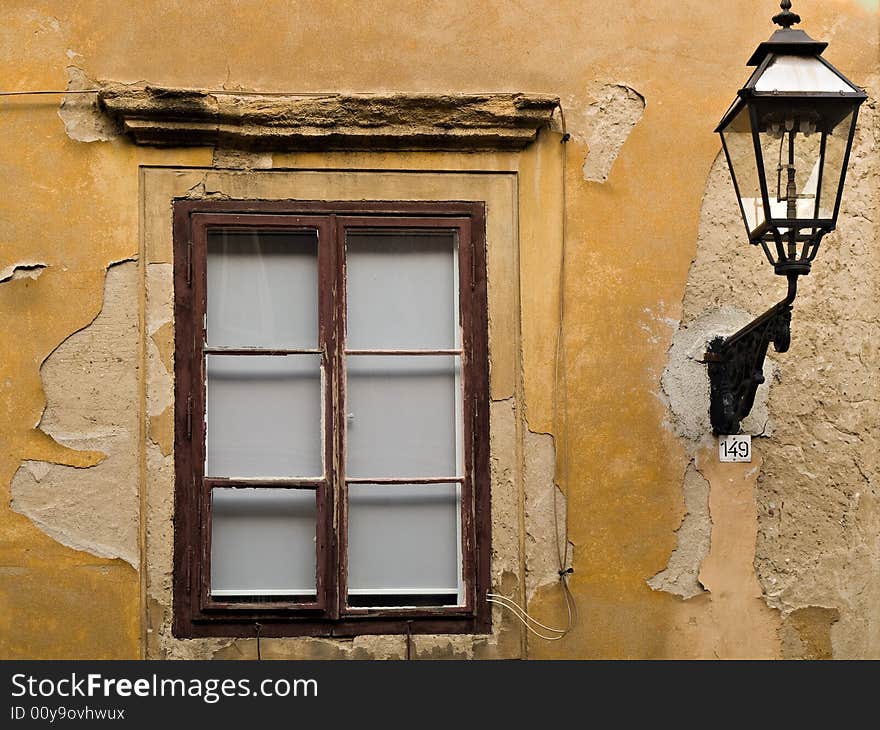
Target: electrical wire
[526, 620]
[530, 629]
[514, 606]
[49, 91]
[216, 92]
[219, 92]
[559, 384]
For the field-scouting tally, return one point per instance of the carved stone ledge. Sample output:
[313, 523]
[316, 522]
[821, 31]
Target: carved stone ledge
[183, 117]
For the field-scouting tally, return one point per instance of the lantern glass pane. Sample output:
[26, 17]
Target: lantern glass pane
[740, 148]
[790, 149]
[833, 171]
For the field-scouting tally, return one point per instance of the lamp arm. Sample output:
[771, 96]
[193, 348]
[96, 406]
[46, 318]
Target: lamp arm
[736, 364]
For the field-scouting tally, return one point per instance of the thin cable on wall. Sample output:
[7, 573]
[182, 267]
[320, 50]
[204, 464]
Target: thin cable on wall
[218, 92]
[543, 631]
[48, 91]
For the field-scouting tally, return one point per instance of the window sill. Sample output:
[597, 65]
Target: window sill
[349, 627]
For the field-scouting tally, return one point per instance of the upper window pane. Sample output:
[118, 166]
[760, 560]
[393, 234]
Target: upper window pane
[263, 289]
[402, 290]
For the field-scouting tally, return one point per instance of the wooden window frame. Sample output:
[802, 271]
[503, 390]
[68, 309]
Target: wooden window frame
[196, 614]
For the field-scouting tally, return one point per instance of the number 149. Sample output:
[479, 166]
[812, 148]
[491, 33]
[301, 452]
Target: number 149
[735, 448]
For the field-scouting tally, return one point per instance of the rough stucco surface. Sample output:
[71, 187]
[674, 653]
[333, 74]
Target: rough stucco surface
[654, 252]
[819, 518]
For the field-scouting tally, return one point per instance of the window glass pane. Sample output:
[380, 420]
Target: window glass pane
[262, 289]
[403, 540]
[264, 416]
[403, 416]
[263, 542]
[402, 290]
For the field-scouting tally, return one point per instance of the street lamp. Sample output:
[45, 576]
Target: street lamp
[787, 138]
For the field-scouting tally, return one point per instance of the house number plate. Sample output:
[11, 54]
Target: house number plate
[735, 448]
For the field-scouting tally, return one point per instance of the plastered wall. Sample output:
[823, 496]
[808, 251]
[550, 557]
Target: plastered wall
[674, 554]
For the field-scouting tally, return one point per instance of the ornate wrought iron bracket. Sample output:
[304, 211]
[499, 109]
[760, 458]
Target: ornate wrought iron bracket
[736, 364]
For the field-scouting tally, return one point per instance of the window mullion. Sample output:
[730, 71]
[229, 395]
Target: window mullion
[335, 301]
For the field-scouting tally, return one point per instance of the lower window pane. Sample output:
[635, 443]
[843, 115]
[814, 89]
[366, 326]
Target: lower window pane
[404, 544]
[263, 543]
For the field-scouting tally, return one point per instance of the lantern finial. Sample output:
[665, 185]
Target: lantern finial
[786, 18]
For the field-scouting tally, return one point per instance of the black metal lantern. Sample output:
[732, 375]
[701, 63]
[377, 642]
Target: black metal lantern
[787, 138]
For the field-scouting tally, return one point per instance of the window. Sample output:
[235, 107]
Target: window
[331, 418]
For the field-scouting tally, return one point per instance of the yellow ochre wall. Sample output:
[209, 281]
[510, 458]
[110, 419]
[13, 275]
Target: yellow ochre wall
[675, 555]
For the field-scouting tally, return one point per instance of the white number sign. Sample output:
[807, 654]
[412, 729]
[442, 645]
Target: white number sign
[735, 448]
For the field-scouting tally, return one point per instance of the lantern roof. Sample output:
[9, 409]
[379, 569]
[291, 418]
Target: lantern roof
[790, 64]
[790, 42]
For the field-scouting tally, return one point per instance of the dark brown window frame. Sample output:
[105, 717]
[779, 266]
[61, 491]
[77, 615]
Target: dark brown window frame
[196, 614]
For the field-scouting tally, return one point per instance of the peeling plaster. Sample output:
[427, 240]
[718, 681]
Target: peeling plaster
[161, 429]
[610, 119]
[545, 507]
[742, 625]
[23, 270]
[681, 576]
[806, 633]
[233, 159]
[93, 508]
[83, 120]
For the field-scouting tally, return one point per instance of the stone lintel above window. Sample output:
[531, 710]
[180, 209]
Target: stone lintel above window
[165, 117]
